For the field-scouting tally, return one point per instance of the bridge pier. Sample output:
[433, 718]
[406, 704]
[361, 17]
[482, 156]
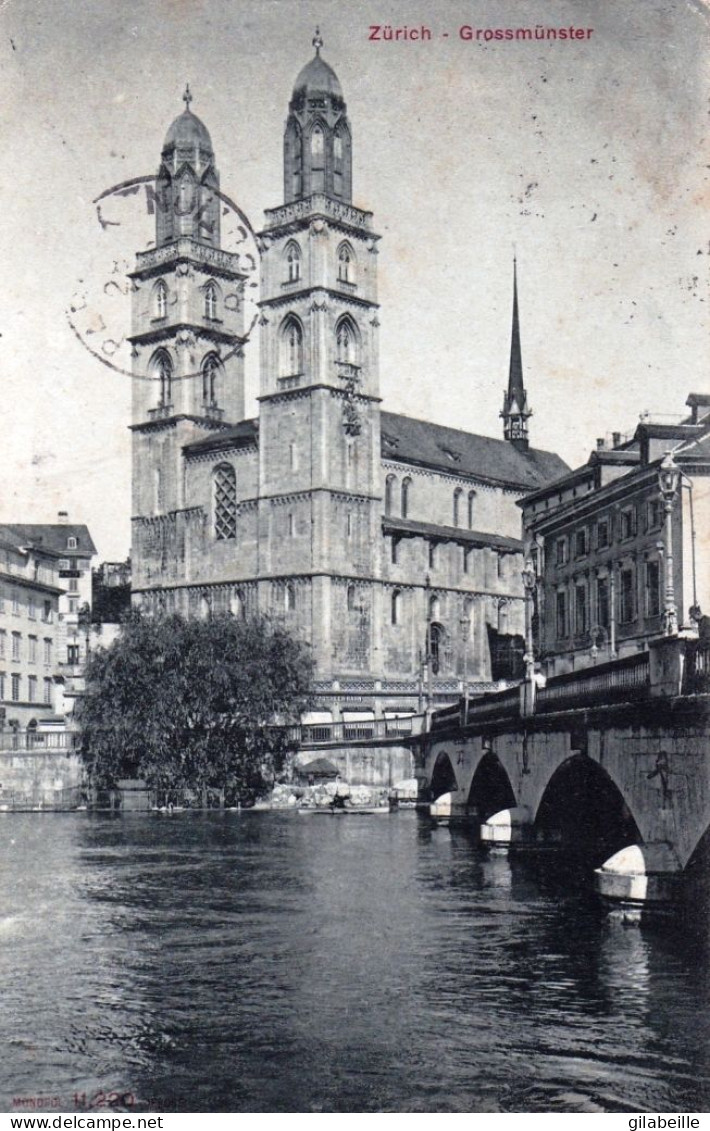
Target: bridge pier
[640, 879]
[509, 828]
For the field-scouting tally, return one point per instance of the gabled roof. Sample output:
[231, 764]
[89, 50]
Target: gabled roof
[241, 435]
[51, 536]
[449, 449]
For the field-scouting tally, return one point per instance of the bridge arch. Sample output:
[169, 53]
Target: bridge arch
[443, 777]
[490, 789]
[584, 810]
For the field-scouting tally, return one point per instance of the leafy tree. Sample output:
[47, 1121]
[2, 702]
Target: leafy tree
[194, 704]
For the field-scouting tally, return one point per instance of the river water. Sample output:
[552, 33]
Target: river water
[265, 962]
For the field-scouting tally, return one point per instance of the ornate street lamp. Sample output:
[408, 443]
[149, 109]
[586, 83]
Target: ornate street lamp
[668, 481]
[529, 582]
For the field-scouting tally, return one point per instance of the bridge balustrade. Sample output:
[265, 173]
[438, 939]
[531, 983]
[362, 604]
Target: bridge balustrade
[696, 677]
[607, 683]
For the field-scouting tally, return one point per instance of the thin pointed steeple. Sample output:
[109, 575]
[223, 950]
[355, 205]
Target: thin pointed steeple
[515, 403]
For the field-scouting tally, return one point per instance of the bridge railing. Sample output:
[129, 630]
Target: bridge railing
[696, 676]
[606, 683]
[361, 730]
[496, 705]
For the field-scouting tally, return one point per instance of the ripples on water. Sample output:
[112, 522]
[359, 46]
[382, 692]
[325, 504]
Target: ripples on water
[270, 962]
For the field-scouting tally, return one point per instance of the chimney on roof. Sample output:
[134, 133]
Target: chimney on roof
[616, 439]
[600, 443]
[63, 517]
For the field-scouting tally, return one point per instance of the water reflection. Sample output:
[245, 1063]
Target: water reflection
[269, 962]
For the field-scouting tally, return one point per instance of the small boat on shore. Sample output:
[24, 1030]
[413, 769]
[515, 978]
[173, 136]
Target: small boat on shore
[334, 811]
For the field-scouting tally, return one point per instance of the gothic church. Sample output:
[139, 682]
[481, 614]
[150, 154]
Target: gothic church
[391, 544]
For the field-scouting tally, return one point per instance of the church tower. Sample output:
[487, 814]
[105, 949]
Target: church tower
[188, 324]
[319, 419]
[515, 411]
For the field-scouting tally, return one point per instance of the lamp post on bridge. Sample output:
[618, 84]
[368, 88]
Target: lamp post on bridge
[529, 583]
[668, 480]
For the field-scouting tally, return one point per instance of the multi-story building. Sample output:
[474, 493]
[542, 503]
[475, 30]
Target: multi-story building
[71, 548]
[619, 544]
[391, 544]
[29, 629]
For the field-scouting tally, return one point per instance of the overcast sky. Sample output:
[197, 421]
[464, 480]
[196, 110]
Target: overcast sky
[589, 156]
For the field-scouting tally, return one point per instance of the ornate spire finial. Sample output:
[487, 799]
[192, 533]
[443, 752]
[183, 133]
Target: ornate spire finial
[317, 41]
[187, 96]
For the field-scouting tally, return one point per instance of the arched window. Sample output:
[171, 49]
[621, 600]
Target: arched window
[347, 341]
[293, 262]
[236, 605]
[338, 149]
[406, 497]
[224, 484]
[396, 611]
[434, 608]
[161, 300]
[346, 263]
[161, 368]
[211, 369]
[390, 487]
[211, 300]
[317, 140]
[351, 598]
[457, 505]
[289, 597]
[205, 608]
[291, 347]
[471, 508]
[71, 543]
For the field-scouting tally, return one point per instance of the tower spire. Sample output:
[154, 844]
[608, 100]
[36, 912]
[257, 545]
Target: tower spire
[515, 403]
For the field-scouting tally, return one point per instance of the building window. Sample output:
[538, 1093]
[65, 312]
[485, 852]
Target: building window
[224, 481]
[581, 543]
[471, 508]
[603, 533]
[289, 597]
[48, 691]
[71, 543]
[16, 645]
[396, 609]
[15, 603]
[161, 300]
[15, 689]
[338, 148]
[465, 555]
[2, 685]
[457, 505]
[653, 589]
[73, 584]
[654, 514]
[580, 609]
[406, 497]
[2, 599]
[292, 526]
[346, 341]
[32, 688]
[291, 347]
[161, 370]
[72, 653]
[211, 301]
[317, 140]
[32, 649]
[390, 487]
[3, 639]
[627, 596]
[603, 619]
[346, 264]
[434, 608]
[395, 550]
[293, 262]
[32, 608]
[47, 651]
[432, 555]
[436, 639]
[628, 523]
[561, 613]
[560, 551]
[351, 598]
[47, 612]
[73, 604]
[210, 373]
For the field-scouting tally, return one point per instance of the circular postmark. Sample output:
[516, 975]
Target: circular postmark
[99, 312]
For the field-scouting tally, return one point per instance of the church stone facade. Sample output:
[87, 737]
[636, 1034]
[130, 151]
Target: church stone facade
[390, 544]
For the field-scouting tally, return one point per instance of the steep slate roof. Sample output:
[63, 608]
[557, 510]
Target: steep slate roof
[51, 536]
[449, 449]
[241, 435]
